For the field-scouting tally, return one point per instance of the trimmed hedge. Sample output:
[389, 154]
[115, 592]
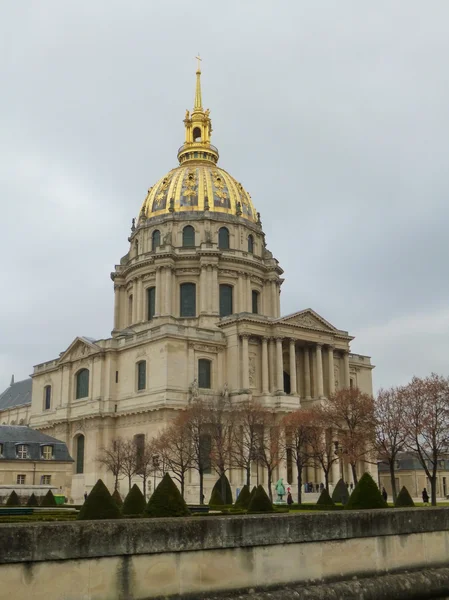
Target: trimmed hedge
[99, 504]
[366, 495]
[134, 502]
[32, 501]
[325, 499]
[340, 493]
[117, 498]
[227, 498]
[404, 500]
[166, 501]
[13, 499]
[215, 498]
[260, 502]
[48, 500]
[243, 498]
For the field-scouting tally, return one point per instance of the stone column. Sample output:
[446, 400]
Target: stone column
[139, 301]
[214, 290]
[158, 294]
[134, 311]
[293, 387]
[346, 368]
[330, 356]
[249, 303]
[245, 362]
[209, 289]
[272, 361]
[279, 366]
[116, 307]
[265, 389]
[168, 292]
[307, 373]
[203, 289]
[319, 371]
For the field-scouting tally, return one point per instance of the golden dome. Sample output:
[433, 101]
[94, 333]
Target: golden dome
[198, 184]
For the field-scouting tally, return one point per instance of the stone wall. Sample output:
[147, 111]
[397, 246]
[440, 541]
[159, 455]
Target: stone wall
[199, 556]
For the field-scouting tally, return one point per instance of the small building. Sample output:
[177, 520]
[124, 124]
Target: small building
[410, 473]
[32, 462]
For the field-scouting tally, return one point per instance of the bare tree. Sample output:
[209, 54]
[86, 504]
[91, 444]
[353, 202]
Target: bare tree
[351, 412]
[176, 448]
[221, 417]
[197, 417]
[426, 403]
[297, 439]
[129, 460]
[270, 446]
[112, 459]
[145, 453]
[389, 412]
[247, 425]
[322, 446]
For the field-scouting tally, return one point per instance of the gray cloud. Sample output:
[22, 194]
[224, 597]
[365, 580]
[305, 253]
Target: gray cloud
[332, 114]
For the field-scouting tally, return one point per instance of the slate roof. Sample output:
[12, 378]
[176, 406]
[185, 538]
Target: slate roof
[408, 461]
[12, 435]
[17, 394]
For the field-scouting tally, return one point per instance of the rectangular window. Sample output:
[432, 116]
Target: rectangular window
[141, 375]
[255, 302]
[21, 479]
[22, 451]
[204, 379]
[47, 401]
[188, 300]
[151, 298]
[116, 377]
[225, 300]
[46, 480]
[47, 452]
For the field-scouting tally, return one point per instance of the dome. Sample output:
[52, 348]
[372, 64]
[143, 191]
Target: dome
[198, 184]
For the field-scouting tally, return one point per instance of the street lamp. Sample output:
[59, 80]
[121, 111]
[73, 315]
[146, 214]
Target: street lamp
[155, 468]
[339, 452]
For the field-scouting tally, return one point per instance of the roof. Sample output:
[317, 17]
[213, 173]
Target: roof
[17, 394]
[409, 461]
[11, 435]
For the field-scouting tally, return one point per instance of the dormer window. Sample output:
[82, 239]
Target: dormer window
[1, 449]
[22, 451]
[47, 452]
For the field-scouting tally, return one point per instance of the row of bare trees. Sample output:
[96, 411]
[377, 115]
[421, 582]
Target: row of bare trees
[217, 434]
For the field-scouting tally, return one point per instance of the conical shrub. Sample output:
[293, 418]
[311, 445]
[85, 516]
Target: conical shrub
[223, 486]
[99, 504]
[32, 501]
[260, 502]
[251, 496]
[48, 500]
[215, 498]
[134, 502]
[117, 498]
[166, 501]
[366, 494]
[244, 497]
[325, 499]
[404, 499]
[340, 494]
[13, 499]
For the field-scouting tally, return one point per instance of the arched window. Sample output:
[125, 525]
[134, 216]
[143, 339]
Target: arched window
[255, 301]
[188, 300]
[196, 134]
[204, 368]
[47, 397]
[82, 384]
[79, 465]
[223, 238]
[250, 244]
[225, 300]
[155, 239]
[188, 237]
[151, 301]
[205, 452]
[142, 375]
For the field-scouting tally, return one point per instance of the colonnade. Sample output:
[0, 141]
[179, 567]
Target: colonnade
[305, 360]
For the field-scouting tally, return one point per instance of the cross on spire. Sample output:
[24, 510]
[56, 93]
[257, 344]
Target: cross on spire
[198, 66]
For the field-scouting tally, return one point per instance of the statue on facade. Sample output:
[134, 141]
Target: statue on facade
[280, 489]
[225, 392]
[195, 390]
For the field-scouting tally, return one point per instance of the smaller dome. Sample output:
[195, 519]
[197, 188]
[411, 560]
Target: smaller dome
[198, 187]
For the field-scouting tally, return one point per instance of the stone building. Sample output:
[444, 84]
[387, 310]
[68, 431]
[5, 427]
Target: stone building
[197, 298]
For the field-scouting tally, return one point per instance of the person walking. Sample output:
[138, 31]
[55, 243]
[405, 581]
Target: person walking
[425, 496]
[384, 494]
[289, 498]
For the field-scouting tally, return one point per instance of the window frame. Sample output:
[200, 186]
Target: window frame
[22, 449]
[80, 460]
[221, 287]
[47, 397]
[20, 475]
[78, 385]
[227, 242]
[251, 244]
[44, 451]
[182, 287]
[205, 385]
[141, 382]
[255, 299]
[151, 302]
[191, 231]
[156, 235]
[45, 477]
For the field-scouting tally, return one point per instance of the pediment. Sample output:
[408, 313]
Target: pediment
[80, 348]
[309, 319]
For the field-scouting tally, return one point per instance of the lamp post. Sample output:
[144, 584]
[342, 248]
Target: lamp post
[339, 452]
[155, 469]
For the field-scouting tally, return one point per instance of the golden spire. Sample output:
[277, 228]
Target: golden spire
[198, 105]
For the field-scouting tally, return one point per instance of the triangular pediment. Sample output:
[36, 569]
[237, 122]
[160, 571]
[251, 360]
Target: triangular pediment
[81, 347]
[309, 319]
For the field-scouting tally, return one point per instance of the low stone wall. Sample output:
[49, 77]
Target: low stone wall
[199, 556]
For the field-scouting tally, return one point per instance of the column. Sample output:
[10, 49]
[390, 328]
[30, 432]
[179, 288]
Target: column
[168, 292]
[209, 289]
[265, 389]
[123, 315]
[319, 371]
[203, 289]
[272, 365]
[273, 300]
[215, 308]
[293, 387]
[279, 366]
[245, 362]
[116, 307]
[249, 303]
[307, 373]
[239, 294]
[330, 356]
[346, 368]
[139, 301]
[134, 307]
[158, 295]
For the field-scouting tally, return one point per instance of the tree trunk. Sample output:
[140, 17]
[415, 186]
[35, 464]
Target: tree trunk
[393, 481]
[223, 487]
[248, 476]
[182, 483]
[116, 482]
[201, 486]
[354, 474]
[144, 486]
[129, 482]
[270, 494]
[299, 481]
[326, 479]
[433, 488]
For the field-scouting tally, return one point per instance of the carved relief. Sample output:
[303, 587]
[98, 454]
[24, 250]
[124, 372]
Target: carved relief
[252, 371]
[337, 375]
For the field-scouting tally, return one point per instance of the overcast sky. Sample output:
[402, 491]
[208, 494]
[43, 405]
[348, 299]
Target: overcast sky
[333, 115]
